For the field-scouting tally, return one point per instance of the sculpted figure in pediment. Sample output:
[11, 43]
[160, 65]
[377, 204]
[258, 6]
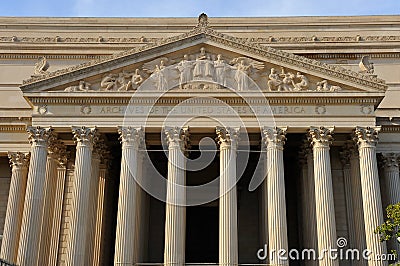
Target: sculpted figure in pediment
[185, 68]
[243, 67]
[203, 66]
[123, 83]
[220, 69]
[275, 81]
[137, 79]
[325, 86]
[83, 86]
[109, 82]
[302, 84]
[158, 72]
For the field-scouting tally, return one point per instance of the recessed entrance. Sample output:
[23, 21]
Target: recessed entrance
[202, 234]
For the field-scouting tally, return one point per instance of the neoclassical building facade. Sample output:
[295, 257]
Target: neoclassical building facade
[195, 141]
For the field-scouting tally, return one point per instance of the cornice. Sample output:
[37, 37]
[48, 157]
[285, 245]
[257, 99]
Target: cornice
[270, 98]
[145, 40]
[204, 32]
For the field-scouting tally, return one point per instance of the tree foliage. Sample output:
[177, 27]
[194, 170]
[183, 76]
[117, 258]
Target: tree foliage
[390, 228]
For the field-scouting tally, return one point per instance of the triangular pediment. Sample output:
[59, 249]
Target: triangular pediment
[270, 69]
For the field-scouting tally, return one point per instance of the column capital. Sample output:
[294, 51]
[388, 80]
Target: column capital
[100, 149]
[346, 153]
[305, 150]
[366, 136]
[85, 135]
[320, 136]
[131, 136]
[19, 159]
[274, 137]
[227, 136]
[58, 150]
[177, 136]
[40, 135]
[390, 160]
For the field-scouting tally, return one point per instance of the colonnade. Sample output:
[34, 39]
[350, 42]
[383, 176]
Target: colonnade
[36, 196]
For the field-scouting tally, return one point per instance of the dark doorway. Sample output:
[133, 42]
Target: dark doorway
[202, 234]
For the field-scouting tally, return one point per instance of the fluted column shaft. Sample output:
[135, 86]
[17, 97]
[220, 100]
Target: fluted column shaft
[100, 216]
[391, 175]
[392, 182]
[34, 197]
[264, 198]
[49, 190]
[58, 207]
[125, 235]
[228, 231]
[325, 211]
[175, 213]
[345, 155]
[366, 139]
[15, 204]
[358, 213]
[277, 225]
[93, 197]
[85, 138]
[140, 212]
[312, 215]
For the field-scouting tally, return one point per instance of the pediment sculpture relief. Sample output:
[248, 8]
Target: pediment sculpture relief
[205, 70]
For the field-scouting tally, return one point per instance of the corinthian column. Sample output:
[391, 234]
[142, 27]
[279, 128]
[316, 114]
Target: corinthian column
[175, 213]
[100, 212]
[345, 156]
[58, 206]
[34, 197]
[392, 182]
[85, 139]
[99, 151]
[228, 233]
[366, 139]
[50, 190]
[125, 236]
[325, 212]
[274, 139]
[9, 245]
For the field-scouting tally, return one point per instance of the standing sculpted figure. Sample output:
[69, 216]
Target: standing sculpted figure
[274, 82]
[158, 73]
[185, 69]
[220, 68]
[241, 76]
[137, 79]
[200, 65]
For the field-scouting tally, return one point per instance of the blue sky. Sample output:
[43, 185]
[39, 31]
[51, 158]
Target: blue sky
[192, 8]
